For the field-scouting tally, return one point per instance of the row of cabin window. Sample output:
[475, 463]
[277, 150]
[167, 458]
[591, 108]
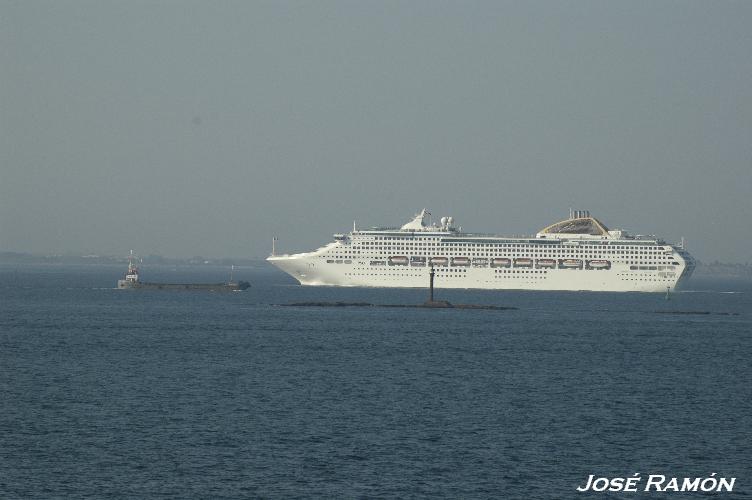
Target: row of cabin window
[492, 247]
[512, 245]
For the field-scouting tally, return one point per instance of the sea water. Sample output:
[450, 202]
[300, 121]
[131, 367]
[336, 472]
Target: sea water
[162, 394]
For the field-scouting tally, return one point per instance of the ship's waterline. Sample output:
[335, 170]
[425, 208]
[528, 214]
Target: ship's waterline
[578, 253]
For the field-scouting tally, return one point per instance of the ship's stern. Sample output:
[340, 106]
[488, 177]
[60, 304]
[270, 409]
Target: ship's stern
[689, 267]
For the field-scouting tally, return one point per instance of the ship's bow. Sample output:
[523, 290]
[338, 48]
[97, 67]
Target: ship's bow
[297, 266]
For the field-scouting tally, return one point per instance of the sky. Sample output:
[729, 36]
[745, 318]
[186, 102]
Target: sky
[186, 128]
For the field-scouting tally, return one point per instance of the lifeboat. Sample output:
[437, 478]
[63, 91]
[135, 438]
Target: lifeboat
[417, 261]
[501, 262]
[570, 264]
[480, 262]
[523, 262]
[599, 264]
[460, 261]
[545, 263]
[438, 261]
[398, 260]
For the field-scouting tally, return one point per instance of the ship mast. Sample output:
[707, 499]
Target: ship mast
[132, 274]
[131, 267]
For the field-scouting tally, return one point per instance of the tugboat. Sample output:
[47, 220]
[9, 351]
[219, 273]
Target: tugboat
[131, 281]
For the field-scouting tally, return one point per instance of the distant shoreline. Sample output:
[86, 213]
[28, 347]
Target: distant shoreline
[27, 258]
[703, 270]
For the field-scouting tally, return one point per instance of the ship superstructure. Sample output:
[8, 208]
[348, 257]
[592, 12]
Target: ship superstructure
[130, 279]
[578, 253]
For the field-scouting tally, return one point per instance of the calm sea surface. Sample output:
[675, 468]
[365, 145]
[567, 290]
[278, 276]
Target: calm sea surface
[147, 394]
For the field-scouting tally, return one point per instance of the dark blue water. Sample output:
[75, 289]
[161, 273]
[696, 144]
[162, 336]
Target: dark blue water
[148, 394]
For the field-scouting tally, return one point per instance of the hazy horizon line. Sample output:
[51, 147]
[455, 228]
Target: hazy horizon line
[4, 253]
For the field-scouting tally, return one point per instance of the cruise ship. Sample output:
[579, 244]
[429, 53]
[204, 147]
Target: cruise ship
[578, 253]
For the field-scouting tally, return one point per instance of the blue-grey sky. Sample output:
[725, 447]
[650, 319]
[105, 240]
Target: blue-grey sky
[205, 128]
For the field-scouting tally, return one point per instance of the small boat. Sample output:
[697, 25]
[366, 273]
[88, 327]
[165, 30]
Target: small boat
[570, 264]
[398, 260]
[438, 261]
[417, 261]
[378, 263]
[480, 262]
[523, 262]
[501, 262]
[131, 281]
[460, 261]
[545, 263]
[599, 264]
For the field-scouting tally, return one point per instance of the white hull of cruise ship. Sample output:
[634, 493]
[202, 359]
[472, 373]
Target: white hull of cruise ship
[577, 254]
